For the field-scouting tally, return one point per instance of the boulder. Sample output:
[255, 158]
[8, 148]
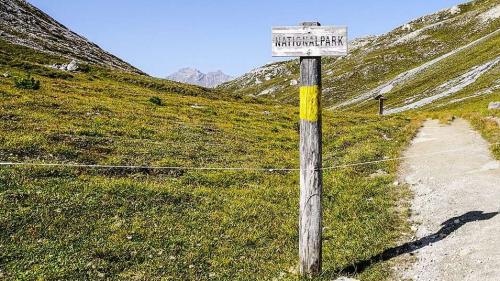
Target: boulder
[455, 10]
[197, 106]
[58, 66]
[72, 66]
[494, 105]
[378, 173]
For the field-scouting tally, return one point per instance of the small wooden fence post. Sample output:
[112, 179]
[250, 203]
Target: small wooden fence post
[381, 100]
[311, 182]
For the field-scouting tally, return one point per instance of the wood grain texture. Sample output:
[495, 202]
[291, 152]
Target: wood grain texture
[311, 182]
[311, 185]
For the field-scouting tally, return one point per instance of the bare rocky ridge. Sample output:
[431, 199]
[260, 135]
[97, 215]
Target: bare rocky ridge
[196, 77]
[23, 24]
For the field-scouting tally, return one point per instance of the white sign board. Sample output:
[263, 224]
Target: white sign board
[309, 41]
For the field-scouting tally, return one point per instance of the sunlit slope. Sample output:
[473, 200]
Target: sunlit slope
[213, 191]
[471, 73]
[67, 222]
[394, 62]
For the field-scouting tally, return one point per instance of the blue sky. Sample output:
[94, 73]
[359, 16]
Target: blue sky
[161, 36]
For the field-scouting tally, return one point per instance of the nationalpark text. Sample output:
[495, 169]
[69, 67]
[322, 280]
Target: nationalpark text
[309, 41]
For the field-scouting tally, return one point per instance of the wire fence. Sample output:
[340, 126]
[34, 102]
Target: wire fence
[186, 168]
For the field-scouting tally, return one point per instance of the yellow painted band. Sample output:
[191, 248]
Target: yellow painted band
[309, 103]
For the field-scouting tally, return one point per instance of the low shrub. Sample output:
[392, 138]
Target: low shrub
[156, 100]
[85, 68]
[27, 83]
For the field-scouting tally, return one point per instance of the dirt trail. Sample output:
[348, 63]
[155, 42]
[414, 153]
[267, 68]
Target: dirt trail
[457, 197]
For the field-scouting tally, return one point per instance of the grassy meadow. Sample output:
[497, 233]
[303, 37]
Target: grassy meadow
[60, 223]
[144, 224]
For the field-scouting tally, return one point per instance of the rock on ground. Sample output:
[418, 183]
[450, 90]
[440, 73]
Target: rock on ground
[72, 66]
[345, 279]
[494, 105]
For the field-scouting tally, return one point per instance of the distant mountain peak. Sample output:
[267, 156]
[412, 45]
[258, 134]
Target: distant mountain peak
[196, 77]
[188, 69]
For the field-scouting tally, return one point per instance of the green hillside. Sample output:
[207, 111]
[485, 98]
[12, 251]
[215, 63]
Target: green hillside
[429, 43]
[229, 209]
[68, 222]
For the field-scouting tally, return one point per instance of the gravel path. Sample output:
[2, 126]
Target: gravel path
[457, 197]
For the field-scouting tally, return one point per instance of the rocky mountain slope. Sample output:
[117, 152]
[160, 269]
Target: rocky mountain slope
[23, 24]
[431, 61]
[196, 77]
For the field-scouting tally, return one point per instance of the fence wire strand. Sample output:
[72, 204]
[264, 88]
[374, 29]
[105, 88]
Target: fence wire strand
[145, 167]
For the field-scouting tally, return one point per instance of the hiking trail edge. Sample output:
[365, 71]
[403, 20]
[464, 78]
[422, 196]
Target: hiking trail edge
[455, 205]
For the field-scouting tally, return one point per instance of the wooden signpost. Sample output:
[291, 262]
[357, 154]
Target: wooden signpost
[310, 42]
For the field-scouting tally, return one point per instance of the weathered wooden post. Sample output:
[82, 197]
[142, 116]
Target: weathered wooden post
[311, 182]
[310, 41]
[381, 100]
